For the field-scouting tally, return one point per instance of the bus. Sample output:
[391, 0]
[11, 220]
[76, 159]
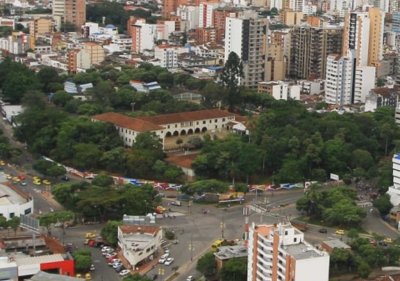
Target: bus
[216, 244]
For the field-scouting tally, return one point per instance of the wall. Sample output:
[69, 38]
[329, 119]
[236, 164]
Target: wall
[67, 267]
[307, 269]
[17, 209]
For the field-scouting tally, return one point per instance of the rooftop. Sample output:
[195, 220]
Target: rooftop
[336, 243]
[131, 229]
[38, 260]
[8, 196]
[228, 252]
[303, 251]
[123, 121]
[44, 276]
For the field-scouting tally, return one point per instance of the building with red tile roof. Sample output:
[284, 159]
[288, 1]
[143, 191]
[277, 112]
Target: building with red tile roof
[168, 125]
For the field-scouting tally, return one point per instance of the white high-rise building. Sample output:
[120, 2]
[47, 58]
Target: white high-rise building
[246, 36]
[296, 5]
[363, 32]
[168, 55]
[347, 83]
[279, 252]
[276, 4]
[190, 14]
[206, 14]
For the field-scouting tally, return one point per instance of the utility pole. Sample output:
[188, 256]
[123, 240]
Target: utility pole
[191, 247]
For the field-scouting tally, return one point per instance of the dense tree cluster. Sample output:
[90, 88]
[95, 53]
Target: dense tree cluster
[104, 202]
[335, 206]
[363, 257]
[114, 13]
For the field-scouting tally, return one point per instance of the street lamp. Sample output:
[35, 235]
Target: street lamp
[223, 225]
[191, 247]
[161, 273]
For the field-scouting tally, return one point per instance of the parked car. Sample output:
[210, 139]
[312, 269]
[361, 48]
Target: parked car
[120, 268]
[21, 177]
[153, 276]
[124, 272]
[176, 203]
[92, 267]
[65, 178]
[323, 230]
[162, 260]
[116, 265]
[190, 278]
[23, 183]
[169, 261]
[166, 255]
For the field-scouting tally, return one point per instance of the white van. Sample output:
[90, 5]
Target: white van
[176, 203]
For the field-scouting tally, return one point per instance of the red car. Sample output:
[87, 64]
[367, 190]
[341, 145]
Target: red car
[21, 177]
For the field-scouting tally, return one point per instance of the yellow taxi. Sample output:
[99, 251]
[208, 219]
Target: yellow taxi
[388, 240]
[88, 276]
[37, 182]
[2, 163]
[9, 177]
[15, 179]
[46, 182]
[340, 232]
[90, 235]
[35, 178]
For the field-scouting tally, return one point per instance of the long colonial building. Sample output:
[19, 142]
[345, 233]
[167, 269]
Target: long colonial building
[168, 125]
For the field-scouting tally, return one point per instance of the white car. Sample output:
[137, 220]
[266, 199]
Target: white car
[166, 251]
[190, 278]
[106, 249]
[162, 260]
[166, 255]
[111, 255]
[124, 272]
[116, 265]
[169, 261]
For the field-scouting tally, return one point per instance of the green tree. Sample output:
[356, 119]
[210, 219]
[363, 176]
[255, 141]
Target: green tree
[63, 217]
[235, 269]
[34, 100]
[103, 180]
[103, 94]
[83, 263]
[56, 171]
[207, 265]
[352, 234]
[364, 270]
[136, 277]
[47, 220]
[380, 82]
[383, 204]
[340, 258]
[361, 159]
[42, 167]
[86, 156]
[88, 109]
[61, 98]
[110, 231]
[115, 160]
[46, 77]
[231, 73]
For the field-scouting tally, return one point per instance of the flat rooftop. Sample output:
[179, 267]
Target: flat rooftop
[38, 260]
[303, 251]
[8, 196]
[228, 252]
[336, 243]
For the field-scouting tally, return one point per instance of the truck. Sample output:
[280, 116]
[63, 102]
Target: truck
[300, 225]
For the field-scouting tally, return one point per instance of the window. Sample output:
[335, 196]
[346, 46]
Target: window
[210, 121]
[12, 215]
[295, 240]
[286, 232]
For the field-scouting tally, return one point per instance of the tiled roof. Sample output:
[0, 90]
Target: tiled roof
[386, 92]
[190, 116]
[139, 228]
[182, 161]
[127, 122]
